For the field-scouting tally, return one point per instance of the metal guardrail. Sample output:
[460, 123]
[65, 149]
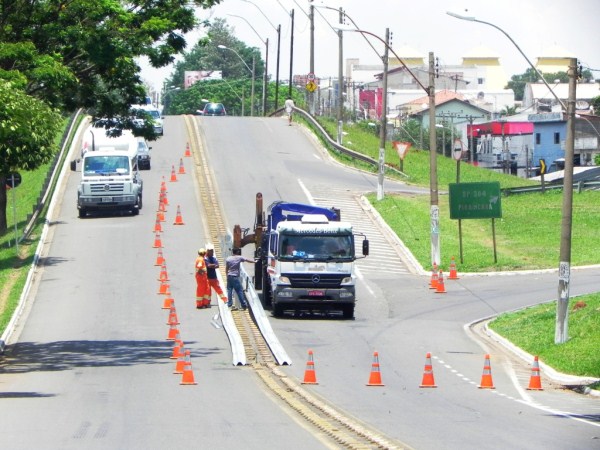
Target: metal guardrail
[339, 148]
[578, 186]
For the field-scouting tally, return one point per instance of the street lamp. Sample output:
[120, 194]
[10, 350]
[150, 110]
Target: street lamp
[251, 71]
[278, 30]
[266, 42]
[564, 268]
[433, 183]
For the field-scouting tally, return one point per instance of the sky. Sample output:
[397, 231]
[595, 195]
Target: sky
[423, 25]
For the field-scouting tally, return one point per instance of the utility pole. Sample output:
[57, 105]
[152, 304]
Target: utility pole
[561, 333]
[433, 183]
[383, 126]
[291, 55]
[311, 94]
[340, 99]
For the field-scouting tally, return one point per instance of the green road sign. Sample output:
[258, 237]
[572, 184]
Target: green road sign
[475, 201]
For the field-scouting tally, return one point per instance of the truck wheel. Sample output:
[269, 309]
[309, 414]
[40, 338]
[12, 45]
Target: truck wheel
[82, 213]
[348, 312]
[140, 203]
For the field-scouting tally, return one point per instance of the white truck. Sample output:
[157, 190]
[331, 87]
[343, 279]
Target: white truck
[110, 179]
[305, 258]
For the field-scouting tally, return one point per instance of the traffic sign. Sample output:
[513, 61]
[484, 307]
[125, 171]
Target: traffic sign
[310, 77]
[457, 150]
[475, 200]
[13, 180]
[542, 166]
[311, 86]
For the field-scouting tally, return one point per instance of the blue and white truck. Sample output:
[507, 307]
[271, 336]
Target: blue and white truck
[305, 258]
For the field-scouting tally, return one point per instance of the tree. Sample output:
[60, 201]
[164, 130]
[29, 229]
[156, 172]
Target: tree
[66, 54]
[595, 103]
[27, 133]
[207, 56]
[517, 82]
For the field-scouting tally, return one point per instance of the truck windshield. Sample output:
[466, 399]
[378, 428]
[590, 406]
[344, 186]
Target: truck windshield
[322, 247]
[106, 165]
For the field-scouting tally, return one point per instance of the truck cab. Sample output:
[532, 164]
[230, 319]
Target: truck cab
[309, 260]
[110, 178]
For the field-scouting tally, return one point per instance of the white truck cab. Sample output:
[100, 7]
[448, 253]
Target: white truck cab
[110, 178]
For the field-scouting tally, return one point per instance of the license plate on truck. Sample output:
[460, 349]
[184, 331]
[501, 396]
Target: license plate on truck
[107, 199]
[315, 293]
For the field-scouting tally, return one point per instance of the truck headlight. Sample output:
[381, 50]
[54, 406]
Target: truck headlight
[347, 280]
[284, 280]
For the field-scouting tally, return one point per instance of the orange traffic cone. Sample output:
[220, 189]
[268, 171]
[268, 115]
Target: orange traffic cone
[188, 374]
[178, 348]
[173, 332]
[180, 364]
[434, 277]
[428, 381]
[164, 288]
[160, 215]
[187, 153]
[173, 174]
[163, 276]
[161, 208]
[168, 303]
[181, 167]
[375, 377]
[441, 289]
[160, 260]
[178, 219]
[453, 275]
[157, 227]
[162, 197]
[163, 185]
[310, 376]
[535, 382]
[172, 316]
[486, 378]
[157, 241]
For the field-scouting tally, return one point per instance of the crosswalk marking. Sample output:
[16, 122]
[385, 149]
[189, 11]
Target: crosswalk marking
[383, 260]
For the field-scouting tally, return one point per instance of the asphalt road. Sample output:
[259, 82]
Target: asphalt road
[89, 365]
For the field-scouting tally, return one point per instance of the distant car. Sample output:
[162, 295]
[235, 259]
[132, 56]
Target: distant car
[157, 117]
[143, 155]
[214, 109]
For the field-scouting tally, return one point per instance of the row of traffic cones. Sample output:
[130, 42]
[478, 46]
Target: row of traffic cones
[428, 380]
[437, 277]
[179, 353]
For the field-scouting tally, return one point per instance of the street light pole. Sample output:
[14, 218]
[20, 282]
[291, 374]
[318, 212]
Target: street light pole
[278, 30]
[564, 268]
[251, 71]
[266, 42]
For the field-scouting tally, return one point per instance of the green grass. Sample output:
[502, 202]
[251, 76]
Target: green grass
[532, 330]
[14, 267]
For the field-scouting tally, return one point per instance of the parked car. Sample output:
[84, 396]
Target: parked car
[214, 109]
[144, 158]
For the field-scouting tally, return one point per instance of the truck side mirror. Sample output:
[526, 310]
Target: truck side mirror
[365, 247]
[74, 165]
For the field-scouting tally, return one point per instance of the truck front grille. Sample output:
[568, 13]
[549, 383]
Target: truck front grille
[105, 188]
[316, 281]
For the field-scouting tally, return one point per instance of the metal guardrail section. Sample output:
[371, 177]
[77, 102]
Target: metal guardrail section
[579, 186]
[262, 321]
